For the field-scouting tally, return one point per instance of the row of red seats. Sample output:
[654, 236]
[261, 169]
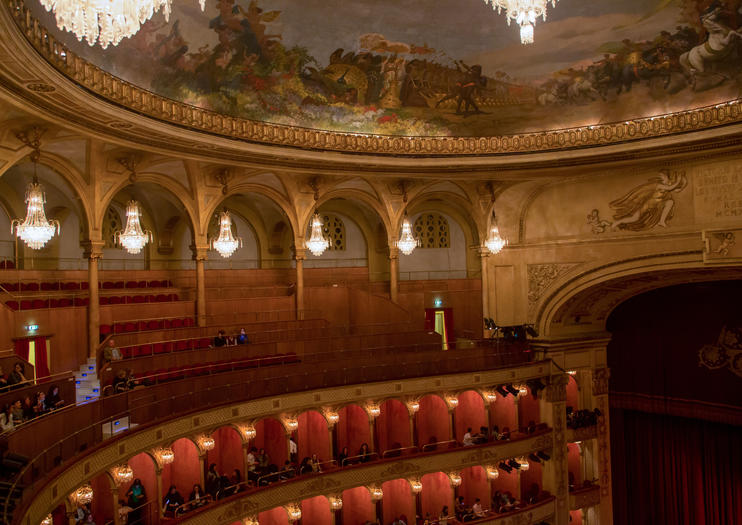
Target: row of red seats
[165, 347]
[7, 265]
[181, 372]
[82, 285]
[63, 302]
[139, 326]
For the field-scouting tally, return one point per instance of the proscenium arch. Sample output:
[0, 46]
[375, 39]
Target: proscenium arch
[604, 287]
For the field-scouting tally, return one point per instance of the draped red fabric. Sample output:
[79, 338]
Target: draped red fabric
[430, 319]
[672, 470]
[42, 365]
[21, 348]
[448, 321]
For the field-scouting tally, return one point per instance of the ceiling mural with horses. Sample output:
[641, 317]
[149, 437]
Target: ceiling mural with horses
[432, 67]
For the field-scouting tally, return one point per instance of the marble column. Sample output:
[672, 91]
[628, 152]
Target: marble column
[93, 252]
[300, 283]
[556, 472]
[484, 257]
[200, 254]
[600, 401]
[394, 274]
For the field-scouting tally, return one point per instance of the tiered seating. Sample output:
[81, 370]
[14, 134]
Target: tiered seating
[141, 326]
[165, 347]
[7, 265]
[215, 367]
[138, 299]
[53, 286]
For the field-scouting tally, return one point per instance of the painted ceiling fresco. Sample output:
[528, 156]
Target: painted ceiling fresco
[433, 67]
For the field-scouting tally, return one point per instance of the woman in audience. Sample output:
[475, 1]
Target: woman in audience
[242, 337]
[235, 482]
[17, 411]
[119, 382]
[3, 379]
[305, 467]
[343, 456]
[197, 497]
[315, 463]
[364, 453]
[40, 408]
[443, 517]
[263, 460]
[171, 502]
[6, 419]
[53, 401]
[220, 339]
[252, 464]
[137, 498]
[17, 376]
[212, 480]
[28, 409]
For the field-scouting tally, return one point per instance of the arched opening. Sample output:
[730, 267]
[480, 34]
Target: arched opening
[316, 510]
[504, 413]
[528, 410]
[433, 421]
[353, 430]
[436, 494]
[393, 426]
[227, 452]
[313, 436]
[102, 507]
[141, 494]
[398, 501]
[270, 435]
[357, 506]
[185, 471]
[470, 413]
[474, 485]
[275, 516]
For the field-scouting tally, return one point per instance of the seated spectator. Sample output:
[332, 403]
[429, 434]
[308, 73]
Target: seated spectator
[288, 471]
[53, 401]
[28, 409]
[315, 464]
[252, 464]
[131, 382]
[231, 340]
[443, 517]
[343, 456]
[17, 377]
[3, 379]
[220, 339]
[17, 411]
[242, 338]
[481, 437]
[124, 511]
[212, 480]
[111, 352]
[496, 436]
[532, 494]
[460, 509]
[236, 481]
[40, 407]
[197, 497]
[119, 382]
[6, 419]
[364, 453]
[468, 439]
[477, 509]
[263, 460]
[171, 502]
[305, 467]
[293, 449]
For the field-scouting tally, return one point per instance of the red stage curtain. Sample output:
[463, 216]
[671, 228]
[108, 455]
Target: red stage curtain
[672, 470]
[448, 321]
[42, 366]
[21, 348]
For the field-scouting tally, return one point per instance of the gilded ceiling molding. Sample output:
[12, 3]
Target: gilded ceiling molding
[144, 102]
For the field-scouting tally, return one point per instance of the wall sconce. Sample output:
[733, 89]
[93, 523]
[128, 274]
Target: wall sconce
[416, 486]
[247, 431]
[206, 443]
[83, 495]
[373, 409]
[294, 512]
[376, 493]
[523, 462]
[164, 456]
[336, 503]
[522, 390]
[413, 406]
[492, 472]
[452, 401]
[489, 396]
[122, 474]
[572, 372]
[48, 520]
[332, 416]
[455, 479]
[291, 425]
[250, 520]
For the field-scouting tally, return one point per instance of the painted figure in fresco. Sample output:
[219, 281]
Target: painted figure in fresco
[650, 204]
[718, 47]
[597, 225]
[466, 90]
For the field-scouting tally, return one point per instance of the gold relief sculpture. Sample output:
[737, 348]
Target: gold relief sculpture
[726, 353]
[644, 207]
[600, 381]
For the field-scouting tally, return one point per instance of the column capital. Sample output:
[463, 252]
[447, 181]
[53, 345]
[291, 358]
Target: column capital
[393, 252]
[93, 249]
[300, 253]
[600, 381]
[200, 252]
[483, 252]
[556, 388]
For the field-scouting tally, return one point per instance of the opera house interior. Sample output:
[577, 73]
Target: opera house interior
[370, 262]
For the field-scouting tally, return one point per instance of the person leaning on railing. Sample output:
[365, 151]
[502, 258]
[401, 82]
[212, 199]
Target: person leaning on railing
[17, 376]
[172, 501]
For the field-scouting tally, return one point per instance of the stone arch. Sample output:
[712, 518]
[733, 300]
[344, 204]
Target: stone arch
[353, 194]
[583, 303]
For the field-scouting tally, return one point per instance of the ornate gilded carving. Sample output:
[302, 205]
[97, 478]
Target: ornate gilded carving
[600, 381]
[147, 103]
[238, 510]
[322, 484]
[40, 87]
[399, 469]
[556, 388]
[540, 277]
[585, 498]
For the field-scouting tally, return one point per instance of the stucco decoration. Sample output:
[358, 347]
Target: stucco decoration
[644, 207]
[722, 246]
[406, 68]
[725, 353]
[540, 277]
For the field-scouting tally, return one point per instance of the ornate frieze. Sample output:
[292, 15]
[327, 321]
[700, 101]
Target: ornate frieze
[540, 277]
[600, 381]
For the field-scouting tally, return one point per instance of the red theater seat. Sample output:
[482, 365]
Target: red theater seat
[10, 287]
[82, 301]
[130, 284]
[130, 327]
[84, 285]
[161, 298]
[53, 303]
[71, 286]
[141, 284]
[177, 323]
[105, 329]
[181, 345]
[189, 322]
[39, 303]
[118, 284]
[7, 265]
[154, 325]
[13, 305]
[108, 285]
[25, 304]
[115, 299]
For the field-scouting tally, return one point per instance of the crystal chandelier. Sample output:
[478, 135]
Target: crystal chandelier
[133, 238]
[494, 242]
[107, 22]
[84, 494]
[524, 12]
[122, 474]
[226, 243]
[35, 230]
[407, 242]
[317, 242]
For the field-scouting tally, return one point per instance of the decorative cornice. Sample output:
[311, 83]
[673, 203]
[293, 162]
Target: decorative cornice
[143, 102]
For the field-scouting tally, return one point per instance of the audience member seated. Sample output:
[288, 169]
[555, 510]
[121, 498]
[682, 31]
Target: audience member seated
[220, 339]
[444, 518]
[171, 502]
[212, 480]
[17, 376]
[111, 352]
[123, 381]
[288, 472]
[28, 409]
[305, 467]
[242, 337]
[40, 408]
[252, 464]
[364, 453]
[582, 418]
[3, 380]
[315, 464]
[197, 498]
[53, 401]
[17, 412]
[477, 509]
[481, 436]
[6, 419]
[468, 439]
[343, 456]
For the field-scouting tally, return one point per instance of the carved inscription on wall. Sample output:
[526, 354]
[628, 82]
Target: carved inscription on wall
[718, 192]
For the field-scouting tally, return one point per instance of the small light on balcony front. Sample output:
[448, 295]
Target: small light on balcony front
[84, 494]
[250, 520]
[413, 406]
[165, 455]
[455, 479]
[452, 401]
[332, 417]
[291, 424]
[376, 493]
[122, 474]
[247, 431]
[336, 503]
[523, 461]
[490, 396]
[373, 409]
[492, 472]
[416, 486]
[206, 443]
[294, 512]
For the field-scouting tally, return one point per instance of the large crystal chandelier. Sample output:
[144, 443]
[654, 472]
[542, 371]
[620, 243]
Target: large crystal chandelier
[106, 21]
[35, 230]
[407, 242]
[133, 238]
[317, 242]
[524, 12]
[494, 242]
[226, 243]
